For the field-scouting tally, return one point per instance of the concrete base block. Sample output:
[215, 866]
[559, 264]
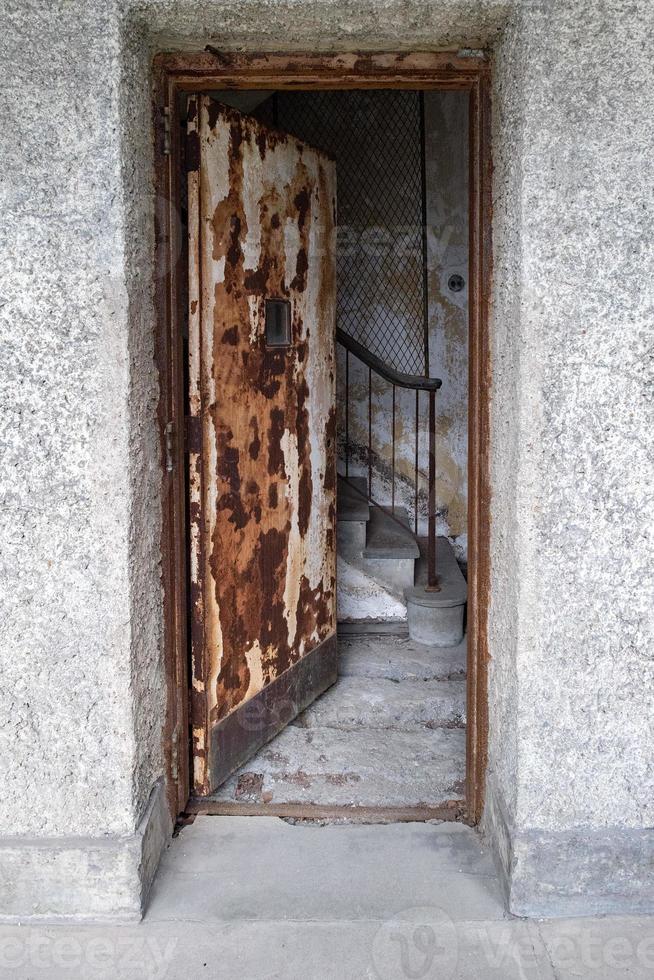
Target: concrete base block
[584, 871]
[436, 618]
[84, 878]
[579, 871]
[435, 625]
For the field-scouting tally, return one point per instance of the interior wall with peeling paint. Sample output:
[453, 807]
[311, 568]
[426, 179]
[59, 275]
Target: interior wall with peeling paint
[446, 180]
[446, 186]
[378, 158]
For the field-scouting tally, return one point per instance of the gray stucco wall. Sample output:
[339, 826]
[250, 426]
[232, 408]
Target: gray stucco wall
[572, 673]
[80, 576]
[570, 771]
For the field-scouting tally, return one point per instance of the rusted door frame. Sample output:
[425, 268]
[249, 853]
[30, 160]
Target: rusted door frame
[208, 70]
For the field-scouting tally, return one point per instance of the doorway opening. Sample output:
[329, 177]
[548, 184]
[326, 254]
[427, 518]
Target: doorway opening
[372, 317]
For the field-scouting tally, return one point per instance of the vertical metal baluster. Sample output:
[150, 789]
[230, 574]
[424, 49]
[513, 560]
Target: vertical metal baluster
[393, 451]
[432, 581]
[425, 251]
[370, 433]
[415, 517]
[347, 414]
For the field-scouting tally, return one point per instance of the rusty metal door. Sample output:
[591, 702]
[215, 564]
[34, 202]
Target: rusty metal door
[262, 435]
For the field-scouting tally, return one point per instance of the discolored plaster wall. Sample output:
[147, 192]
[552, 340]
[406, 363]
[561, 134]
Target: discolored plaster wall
[571, 775]
[446, 187]
[446, 214]
[378, 159]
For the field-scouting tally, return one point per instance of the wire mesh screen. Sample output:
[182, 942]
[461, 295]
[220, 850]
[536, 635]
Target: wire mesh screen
[375, 138]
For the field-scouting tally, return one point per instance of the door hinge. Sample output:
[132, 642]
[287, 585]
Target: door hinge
[174, 757]
[166, 130]
[169, 433]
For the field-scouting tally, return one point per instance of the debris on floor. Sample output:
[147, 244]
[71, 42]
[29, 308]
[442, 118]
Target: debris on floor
[389, 734]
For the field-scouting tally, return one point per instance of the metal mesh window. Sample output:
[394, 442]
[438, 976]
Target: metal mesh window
[375, 138]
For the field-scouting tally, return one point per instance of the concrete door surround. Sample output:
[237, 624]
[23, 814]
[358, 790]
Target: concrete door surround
[207, 71]
[569, 791]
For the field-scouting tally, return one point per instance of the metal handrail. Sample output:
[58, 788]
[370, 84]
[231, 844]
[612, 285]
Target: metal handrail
[412, 382]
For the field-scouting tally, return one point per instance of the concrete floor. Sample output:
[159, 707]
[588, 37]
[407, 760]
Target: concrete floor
[254, 898]
[389, 733]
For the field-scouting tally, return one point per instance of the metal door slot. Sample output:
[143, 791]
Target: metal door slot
[278, 323]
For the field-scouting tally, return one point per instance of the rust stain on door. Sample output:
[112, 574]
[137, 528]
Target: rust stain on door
[261, 226]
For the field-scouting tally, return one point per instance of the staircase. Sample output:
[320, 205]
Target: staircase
[387, 742]
[388, 579]
[382, 573]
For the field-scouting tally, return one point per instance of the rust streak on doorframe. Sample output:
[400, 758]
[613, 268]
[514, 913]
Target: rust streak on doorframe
[169, 298]
[480, 271]
[175, 73]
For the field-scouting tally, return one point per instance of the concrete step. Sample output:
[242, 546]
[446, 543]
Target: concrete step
[352, 499]
[379, 703]
[396, 574]
[351, 539]
[352, 514]
[233, 893]
[361, 598]
[328, 767]
[380, 551]
[399, 658]
[389, 536]
[390, 550]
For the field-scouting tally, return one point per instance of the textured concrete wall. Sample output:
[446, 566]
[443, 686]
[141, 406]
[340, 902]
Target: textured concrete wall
[571, 675]
[82, 695]
[81, 597]
[571, 623]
